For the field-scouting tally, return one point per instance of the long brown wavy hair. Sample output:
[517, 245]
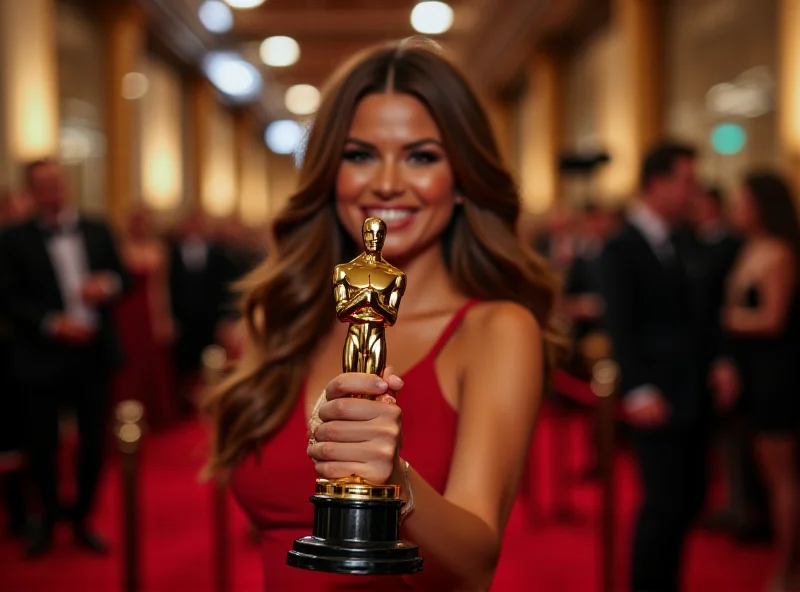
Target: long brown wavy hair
[287, 302]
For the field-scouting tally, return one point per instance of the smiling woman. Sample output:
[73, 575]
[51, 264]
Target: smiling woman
[398, 135]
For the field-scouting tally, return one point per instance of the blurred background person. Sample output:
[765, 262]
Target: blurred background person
[654, 334]
[14, 209]
[199, 276]
[145, 325]
[762, 310]
[61, 273]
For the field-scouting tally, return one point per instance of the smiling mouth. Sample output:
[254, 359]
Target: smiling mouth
[390, 215]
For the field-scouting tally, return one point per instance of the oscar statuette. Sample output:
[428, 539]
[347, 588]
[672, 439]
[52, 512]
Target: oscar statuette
[357, 523]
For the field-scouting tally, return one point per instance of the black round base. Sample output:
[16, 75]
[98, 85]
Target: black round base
[356, 537]
[354, 558]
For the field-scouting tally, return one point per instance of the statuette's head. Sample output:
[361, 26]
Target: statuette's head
[374, 234]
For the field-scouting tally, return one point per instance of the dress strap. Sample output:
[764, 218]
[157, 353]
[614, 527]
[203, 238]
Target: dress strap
[455, 321]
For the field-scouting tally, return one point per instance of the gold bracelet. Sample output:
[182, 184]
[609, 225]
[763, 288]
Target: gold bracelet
[409, 506]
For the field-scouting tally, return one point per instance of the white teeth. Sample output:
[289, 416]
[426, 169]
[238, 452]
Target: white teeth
[390, 215]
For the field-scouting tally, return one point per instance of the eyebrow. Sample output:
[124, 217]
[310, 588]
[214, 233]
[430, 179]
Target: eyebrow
[411, 146]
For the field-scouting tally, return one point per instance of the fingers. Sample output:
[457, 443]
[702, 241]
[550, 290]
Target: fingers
[355, 383]
[350, 452]
[356, 431]
[358, 410]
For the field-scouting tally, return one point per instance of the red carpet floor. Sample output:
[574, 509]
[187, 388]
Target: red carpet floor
[543, 554]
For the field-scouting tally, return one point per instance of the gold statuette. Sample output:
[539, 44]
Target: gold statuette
[368, 290]
[357, 523]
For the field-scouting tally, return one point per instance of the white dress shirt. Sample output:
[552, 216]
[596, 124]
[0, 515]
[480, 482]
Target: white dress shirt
[71, 265]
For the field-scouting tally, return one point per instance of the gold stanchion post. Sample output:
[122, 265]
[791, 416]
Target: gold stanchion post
[129, 437]
[214, 363]
[604, 383]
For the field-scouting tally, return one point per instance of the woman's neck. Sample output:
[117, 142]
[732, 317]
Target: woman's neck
[428, 282]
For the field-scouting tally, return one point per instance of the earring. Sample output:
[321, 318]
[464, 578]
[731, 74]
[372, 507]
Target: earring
[459, 199]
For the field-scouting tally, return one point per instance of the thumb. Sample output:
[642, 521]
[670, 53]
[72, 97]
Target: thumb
[395, 382]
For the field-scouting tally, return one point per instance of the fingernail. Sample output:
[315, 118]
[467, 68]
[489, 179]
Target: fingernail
[381, 384]
[400, 380]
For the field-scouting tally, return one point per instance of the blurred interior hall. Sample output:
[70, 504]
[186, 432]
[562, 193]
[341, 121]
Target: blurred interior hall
[147, 146]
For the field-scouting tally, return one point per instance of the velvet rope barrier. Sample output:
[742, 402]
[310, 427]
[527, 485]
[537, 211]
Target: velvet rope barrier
[129, 437]
[214, 362]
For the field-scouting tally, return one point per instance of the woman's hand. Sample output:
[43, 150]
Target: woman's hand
[358, 436]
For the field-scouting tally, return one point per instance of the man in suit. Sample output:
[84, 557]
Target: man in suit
[14, 208]
[198, 281]
[651, 318]
[61, 273]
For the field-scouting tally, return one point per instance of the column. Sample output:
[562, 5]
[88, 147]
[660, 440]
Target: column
[125, 37]
[541, 116]
[789, 88]
[201, 112]
[29, 120]
[630, 117]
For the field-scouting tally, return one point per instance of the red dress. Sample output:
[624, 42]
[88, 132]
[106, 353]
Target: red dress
[147, 375]
[284, 513]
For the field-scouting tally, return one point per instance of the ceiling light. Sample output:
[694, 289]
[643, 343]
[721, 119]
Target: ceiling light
[302, 99]
[432, 17]
[244, 3]
[233, 75]
[279, 51]
[216, 16]
[283, 136]
[134, 86]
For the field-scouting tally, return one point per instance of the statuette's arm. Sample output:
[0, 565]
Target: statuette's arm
[389, 308]
[345, 306]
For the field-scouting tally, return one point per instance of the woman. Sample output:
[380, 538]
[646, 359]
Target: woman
[398, 135]
[145, 325]
[763, 312]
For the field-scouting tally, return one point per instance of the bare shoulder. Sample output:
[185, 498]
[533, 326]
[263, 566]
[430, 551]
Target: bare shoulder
[501, 325]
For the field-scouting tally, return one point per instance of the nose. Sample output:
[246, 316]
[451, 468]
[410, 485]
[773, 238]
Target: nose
[388, 183]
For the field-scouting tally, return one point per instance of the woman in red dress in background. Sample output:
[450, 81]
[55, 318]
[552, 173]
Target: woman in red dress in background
[399, 135]
[144, 323]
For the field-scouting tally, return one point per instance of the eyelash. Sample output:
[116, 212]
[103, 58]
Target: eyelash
[418, 157]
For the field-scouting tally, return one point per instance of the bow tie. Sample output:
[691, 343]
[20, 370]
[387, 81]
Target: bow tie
[56, 230]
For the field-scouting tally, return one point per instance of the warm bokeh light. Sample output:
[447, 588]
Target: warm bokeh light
[279, 52]
[254, 190]
[244, 3]
[283, 136]
[134, 85]
[216, 16]
[29, 78]
[302, 99]
[162, 139]
[432, 18]
[219, 180]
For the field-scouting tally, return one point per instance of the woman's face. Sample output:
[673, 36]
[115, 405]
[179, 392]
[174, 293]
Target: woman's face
[745, 214]
[395, 168]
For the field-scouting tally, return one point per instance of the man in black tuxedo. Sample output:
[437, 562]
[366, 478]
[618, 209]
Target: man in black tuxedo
[198, 280]
[61, 273]
[651, 315]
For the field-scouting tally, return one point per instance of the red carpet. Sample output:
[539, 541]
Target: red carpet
[176, 534]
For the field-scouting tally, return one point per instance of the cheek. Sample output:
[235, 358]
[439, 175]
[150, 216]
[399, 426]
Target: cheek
[433, 185]
[351, 182]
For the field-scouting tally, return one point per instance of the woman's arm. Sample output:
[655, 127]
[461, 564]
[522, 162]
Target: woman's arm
[461, 532]
[776, 289]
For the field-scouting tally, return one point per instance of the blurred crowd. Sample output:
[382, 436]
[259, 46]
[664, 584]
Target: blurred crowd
[698, 292]
[90, 316]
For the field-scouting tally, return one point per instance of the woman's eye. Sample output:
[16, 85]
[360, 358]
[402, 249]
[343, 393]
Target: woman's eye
[424, 157]
[356, 155]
